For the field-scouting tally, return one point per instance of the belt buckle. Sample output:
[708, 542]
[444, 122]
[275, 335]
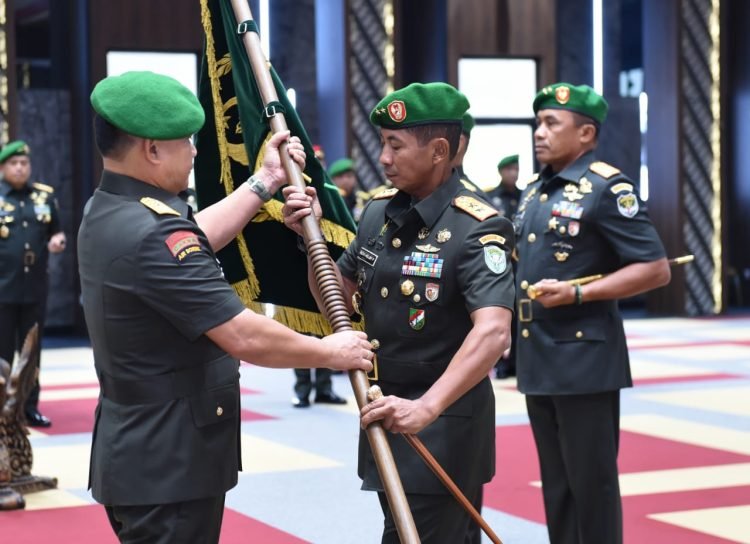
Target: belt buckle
[374, 376]
[525, 310]
[29, 258]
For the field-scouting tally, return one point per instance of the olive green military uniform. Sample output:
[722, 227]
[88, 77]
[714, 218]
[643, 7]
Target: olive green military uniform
[572, 360]
[421, 269]
[29, 217]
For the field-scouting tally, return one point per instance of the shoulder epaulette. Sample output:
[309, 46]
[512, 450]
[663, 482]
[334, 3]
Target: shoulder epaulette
[533, 179]
[158, 206]
[469, 185]
[475, 208]
[43, 187]
[386, 193]
[603, 169]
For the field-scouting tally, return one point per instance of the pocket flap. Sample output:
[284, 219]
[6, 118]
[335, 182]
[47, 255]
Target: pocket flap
[215, 405]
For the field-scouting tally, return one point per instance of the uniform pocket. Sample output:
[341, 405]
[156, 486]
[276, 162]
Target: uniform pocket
[578, 330]
[215, 405]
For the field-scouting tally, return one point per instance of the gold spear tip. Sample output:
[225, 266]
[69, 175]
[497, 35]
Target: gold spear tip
[374, 393]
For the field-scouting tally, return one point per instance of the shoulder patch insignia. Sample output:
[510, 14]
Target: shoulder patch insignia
[158, 206]
[43, 187]
[469, 186]
[182, 243]
[603, 169]
[487, 238]
[475, 208]
[621, 187]
[387, 193]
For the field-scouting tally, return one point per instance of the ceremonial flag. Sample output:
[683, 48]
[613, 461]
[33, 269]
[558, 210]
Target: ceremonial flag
[263, 263]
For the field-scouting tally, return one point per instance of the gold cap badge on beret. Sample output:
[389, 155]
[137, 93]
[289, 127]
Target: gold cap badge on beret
[562, 94]
[420, 104]
[397, 111]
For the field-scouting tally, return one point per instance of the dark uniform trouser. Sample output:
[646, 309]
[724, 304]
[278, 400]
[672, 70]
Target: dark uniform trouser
[577, 439]
[15, 322]
[194, 522]
[439, 519]
[304, 384]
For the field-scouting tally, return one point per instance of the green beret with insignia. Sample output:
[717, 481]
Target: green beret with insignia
[420, 104]
[507, 161]
[467, 123]
[340, 166]
[12, 149]
[581, 99]
[148, 105]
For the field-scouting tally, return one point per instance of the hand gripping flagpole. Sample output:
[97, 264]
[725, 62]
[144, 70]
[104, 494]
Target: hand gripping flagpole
[325, 276]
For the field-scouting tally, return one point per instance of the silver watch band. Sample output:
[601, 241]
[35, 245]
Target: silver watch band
[256, 185]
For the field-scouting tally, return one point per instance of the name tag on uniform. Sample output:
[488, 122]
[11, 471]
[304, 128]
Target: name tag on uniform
[367, 257]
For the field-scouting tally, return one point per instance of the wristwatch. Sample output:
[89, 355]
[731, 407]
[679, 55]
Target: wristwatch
[256, 185]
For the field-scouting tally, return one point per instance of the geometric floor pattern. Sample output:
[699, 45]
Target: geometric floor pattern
[684, 454]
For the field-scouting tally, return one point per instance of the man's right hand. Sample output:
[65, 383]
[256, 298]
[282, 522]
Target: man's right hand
[350, 350]
[299, 205]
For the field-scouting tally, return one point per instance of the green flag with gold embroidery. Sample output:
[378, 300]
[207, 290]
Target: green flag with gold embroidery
[263, 263]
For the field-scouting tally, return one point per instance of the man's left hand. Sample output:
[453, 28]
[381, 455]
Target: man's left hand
[555, 293]
[271, 171]
[398, 415]
[56, 243]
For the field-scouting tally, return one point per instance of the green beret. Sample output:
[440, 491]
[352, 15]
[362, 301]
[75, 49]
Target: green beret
[581, 99]
[506, 161]
[340, 166]
[12, 149]
[148, 105]
[467, 123]
[420, 104]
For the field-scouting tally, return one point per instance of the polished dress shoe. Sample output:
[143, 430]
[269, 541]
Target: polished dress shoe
[35, 419]
[329, 398]
[300, 403]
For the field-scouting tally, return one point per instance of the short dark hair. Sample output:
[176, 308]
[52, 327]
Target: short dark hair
[427, 132]
[110, 140]
[579, 120]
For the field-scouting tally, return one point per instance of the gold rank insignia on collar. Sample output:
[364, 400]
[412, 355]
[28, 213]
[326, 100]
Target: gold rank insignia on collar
[158, 206]
[386, 193]
[584, 185]
[443, 236]
[475, 208]
[603, 169]
[423, 233]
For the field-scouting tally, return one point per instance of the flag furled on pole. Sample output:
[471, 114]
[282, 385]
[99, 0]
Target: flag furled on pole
[263, 263]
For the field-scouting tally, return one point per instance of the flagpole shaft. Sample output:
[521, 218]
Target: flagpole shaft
[330, 290]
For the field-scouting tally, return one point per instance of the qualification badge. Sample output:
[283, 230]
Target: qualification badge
[432, 291]
[443, 236]
[416, 319]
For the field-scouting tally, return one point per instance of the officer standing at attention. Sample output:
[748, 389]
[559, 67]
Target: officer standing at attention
[578, 217]
[166, 328]
[429, 271]
[29, 231]
[506, 195]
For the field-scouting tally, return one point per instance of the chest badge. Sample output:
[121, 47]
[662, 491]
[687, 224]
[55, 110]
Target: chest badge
[416, 319]
[4, 231]
[407, 287]
[432, 291]
[428, 248]
[574, 227]
[443, 236]
[552, 223]
[584, 185]
[423, 233]
[561, 256]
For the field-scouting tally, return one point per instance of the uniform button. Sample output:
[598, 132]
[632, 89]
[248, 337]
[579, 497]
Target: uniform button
[562, 229]
[23, 203]
[524, 285]
[396, 242]
[219, 411]
[25, 268]
[417, 298]
[579, 334]
[531, 238]
[25, 224]
[383, 292]
[375, 343]
[525, 333]
[544, 197]
[26, 246]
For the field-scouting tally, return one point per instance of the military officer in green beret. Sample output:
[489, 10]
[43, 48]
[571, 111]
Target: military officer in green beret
[578, 217]
[166, 328]
[429, 271]
[467, 125]
[344, 177]
[506, 195]
[29, 230]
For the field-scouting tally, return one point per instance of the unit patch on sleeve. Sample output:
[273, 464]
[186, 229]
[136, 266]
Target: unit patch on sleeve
[487, 238]
[494, 258]
[182, 243]
[627, 204]
[621, 187]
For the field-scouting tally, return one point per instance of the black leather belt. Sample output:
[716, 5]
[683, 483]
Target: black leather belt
[396, 371]
[530, 310]
[166, 387]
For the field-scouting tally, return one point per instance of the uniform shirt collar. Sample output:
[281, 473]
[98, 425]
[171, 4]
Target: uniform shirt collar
[573, 172]
[6, 188]
[430, 208]
[121, 184]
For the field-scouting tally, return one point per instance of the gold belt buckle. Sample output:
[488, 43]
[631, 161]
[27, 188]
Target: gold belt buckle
[525, 311]
[374, 376]
[29, 258]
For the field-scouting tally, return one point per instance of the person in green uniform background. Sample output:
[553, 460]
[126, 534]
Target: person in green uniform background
[29, 230]
[505, 196]
[578, 217]
[429, 271]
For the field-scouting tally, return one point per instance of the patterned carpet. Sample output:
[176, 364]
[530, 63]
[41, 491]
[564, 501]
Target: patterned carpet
[685, 452]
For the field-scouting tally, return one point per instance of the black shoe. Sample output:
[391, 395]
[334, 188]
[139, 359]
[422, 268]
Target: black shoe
[329, 398]
[300, 403]
[35, 419]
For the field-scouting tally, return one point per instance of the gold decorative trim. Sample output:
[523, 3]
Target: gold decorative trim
[714, 28]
